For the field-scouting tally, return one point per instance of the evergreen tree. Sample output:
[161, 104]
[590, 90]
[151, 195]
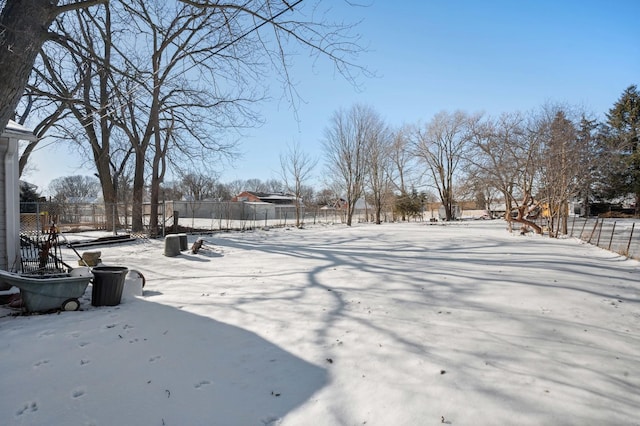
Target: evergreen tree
[410, 205]
[623, 140]
[29, 196]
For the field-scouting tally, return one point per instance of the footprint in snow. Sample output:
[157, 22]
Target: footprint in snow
[78, 393]
[29, 406]
[201, 384]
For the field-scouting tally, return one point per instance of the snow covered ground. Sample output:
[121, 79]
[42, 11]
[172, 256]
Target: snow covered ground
[398, 324]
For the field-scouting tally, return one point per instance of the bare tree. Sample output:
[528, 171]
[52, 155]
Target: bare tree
[505, 155]
[180, 73]
[379, 160]
[346, 148]
[324, 197]
[253, 185]
[560, 168]
[74, 75]
[47, 112]
[402, 166]
[197, 187]
[442, 145]
[236, 186]
[296, 167]
[403, 160]
[25, 25]
[591, 162]
[274, 185]
[170, 115]
[77, 188]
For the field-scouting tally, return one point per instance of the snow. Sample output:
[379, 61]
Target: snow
[395, 324]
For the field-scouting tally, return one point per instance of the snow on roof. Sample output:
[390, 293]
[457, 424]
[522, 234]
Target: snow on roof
[19, 131]
[279, 197]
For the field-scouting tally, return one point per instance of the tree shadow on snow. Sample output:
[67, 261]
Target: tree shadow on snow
[147, 363]
[468, 296]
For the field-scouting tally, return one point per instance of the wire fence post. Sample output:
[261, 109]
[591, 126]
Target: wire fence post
[613, 231]
[592, 231]
[633, 225]
[584, 225]
[599, 233]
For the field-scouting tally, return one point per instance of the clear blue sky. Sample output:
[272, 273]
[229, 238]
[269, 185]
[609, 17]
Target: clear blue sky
[491, 56]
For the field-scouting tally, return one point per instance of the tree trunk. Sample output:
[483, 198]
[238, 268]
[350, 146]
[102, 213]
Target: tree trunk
[153, 219]
[521, 218]
[24, 26]
[156, 178]
[298, 221]
[138, 193]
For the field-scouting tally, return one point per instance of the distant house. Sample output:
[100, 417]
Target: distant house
[268, 205]
[267, 197]
[10, 193]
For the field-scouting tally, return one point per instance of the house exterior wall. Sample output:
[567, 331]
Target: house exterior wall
[10, 194]
[4, 147]
[230, 210]
[206, 209]
[247, 197]
[9, 202]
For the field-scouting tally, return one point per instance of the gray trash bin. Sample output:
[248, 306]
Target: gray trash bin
[184, 243]
[172, 245]
[108, 283]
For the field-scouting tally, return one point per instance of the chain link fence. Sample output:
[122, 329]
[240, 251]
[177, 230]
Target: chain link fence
[618, 235]
[621, 236]
[36, 218]
[211, 216]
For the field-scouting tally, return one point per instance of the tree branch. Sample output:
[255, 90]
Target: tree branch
[78, 5]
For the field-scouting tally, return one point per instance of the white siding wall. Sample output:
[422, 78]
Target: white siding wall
[4, 145]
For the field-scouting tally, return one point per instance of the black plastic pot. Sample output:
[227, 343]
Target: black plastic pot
[108, 282]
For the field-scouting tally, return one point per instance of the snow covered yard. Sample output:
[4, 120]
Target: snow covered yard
[398, 324]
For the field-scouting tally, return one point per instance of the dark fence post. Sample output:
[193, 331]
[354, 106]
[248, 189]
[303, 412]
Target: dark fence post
[599, 233]
[592, 231]
[613, 231]
[633, 225]
[176, 221]
[584, 225]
